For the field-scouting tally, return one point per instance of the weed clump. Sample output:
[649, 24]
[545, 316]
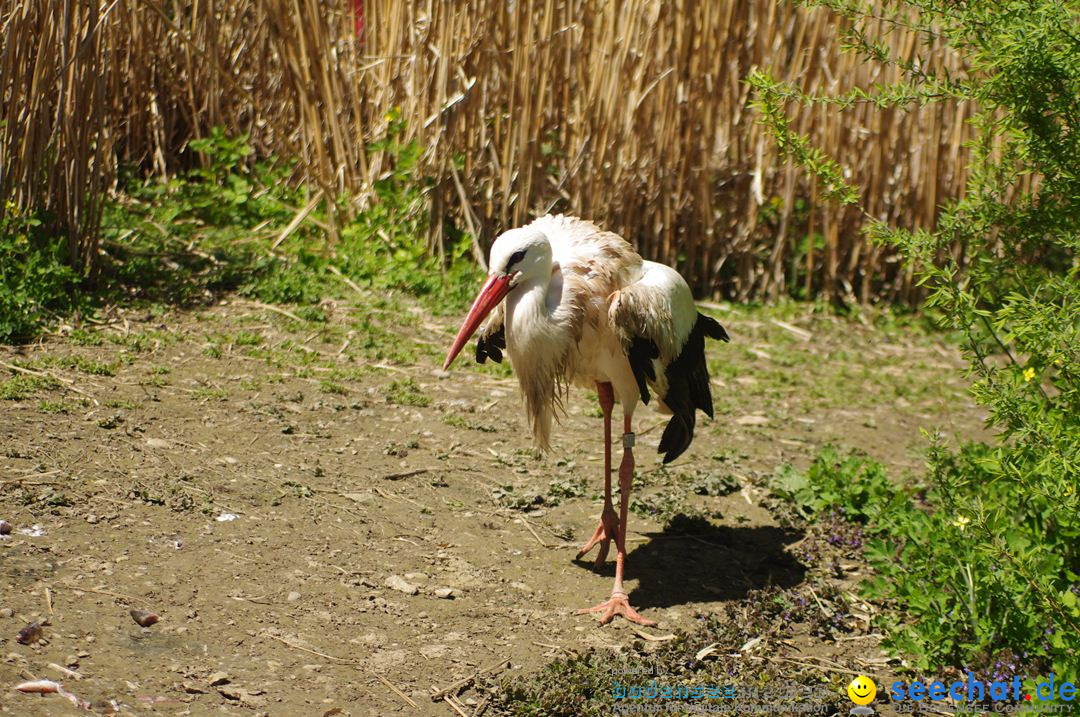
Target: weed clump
[406, 392]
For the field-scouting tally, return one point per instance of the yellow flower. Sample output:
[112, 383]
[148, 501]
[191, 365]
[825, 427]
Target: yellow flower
[1029, 373]
[961, 521]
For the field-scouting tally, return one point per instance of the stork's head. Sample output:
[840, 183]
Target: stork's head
[518, 257]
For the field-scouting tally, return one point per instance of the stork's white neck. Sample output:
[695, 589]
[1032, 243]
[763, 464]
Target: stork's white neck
[528, 316]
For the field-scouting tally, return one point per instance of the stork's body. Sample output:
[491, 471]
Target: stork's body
[581, 307]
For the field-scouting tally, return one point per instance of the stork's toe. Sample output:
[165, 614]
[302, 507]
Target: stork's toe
[600, 538]
[617, 604]
[606, 531]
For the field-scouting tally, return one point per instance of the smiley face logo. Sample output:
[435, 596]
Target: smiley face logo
[862, 690]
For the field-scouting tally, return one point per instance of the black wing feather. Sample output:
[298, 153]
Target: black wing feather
[688, 388]
[491, 346]
[641, 353]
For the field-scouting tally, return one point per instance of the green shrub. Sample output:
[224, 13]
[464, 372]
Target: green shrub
[858, 487]
[988, 574]
[386, 248]
[214, 229]
[35, 282]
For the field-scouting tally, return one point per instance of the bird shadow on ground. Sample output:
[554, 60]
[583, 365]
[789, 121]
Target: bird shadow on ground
[692, 560]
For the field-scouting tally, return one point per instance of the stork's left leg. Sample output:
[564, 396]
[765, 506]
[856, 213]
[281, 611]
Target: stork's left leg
[608, 528]
[619, 603]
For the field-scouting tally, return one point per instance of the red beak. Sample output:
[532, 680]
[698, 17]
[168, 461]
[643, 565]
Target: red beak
[494, 290]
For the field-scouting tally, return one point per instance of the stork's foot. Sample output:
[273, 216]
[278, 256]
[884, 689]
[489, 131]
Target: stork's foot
[618, 604]
[606, 531]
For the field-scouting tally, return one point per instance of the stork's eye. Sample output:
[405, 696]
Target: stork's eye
[515, 258]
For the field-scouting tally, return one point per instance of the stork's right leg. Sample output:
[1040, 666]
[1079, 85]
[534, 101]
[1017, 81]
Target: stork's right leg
[608, 529]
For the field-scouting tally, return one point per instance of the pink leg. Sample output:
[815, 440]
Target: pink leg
[619, 603]
[609, 521]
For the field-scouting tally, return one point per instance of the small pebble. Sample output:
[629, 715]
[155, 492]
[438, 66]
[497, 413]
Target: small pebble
[293, 596]
[29, 634]
[445, 593]
[218, 678]
[6, 612]
[396, 582]
[5, 527]
[144, 618]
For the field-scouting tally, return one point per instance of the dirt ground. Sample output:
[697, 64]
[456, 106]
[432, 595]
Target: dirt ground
[257, 480]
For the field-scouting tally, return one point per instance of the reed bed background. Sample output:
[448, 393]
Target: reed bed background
[632, 113]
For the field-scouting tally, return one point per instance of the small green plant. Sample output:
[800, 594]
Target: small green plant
[406, 392]
[54, 407]
[209, 393]
[36, 284]
[716, 484]
[23, 386]
[856, 486]
[528, 497]
[331, 387]
[459, 421]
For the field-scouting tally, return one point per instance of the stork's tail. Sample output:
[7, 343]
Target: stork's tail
[688, 388]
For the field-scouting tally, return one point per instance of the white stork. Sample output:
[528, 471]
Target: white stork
[582, 307]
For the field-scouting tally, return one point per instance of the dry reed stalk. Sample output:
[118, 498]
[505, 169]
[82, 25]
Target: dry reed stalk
[633, 114]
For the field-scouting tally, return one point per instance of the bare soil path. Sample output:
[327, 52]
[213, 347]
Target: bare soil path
[292, 497]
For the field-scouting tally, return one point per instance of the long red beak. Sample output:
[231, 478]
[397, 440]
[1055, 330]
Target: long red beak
[494, 290]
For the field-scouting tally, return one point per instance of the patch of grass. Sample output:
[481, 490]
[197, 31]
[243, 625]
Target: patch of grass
[458, 421]
[406, 392]
[23, 386]
[86, 337]
[210, 231]
[246, 338]
[328, 386]
[156, 380]
[144, 341]
[55, 407]
[210, 393]
[90, 366]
